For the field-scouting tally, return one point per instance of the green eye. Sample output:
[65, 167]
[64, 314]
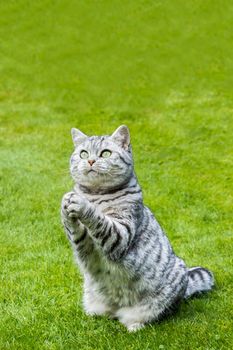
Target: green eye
[84, 154]
[106, 153]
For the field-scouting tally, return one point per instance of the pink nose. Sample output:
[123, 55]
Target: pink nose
[91, 162]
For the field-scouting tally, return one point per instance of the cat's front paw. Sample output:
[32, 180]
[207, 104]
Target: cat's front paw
[73, 205]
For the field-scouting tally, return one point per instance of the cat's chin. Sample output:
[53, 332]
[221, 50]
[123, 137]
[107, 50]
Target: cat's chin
[92, 180]
[96, 185]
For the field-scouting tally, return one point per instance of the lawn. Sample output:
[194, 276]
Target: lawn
[164, 68]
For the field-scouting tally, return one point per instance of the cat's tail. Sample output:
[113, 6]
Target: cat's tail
[199, 280]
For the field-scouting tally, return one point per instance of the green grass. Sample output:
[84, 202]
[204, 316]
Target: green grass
[164, 68]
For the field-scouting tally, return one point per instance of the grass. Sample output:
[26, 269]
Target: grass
[164, 68]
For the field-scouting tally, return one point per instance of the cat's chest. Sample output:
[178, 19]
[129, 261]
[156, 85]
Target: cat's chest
[109, 202]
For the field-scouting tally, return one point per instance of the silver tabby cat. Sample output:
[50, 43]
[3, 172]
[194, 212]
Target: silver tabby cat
[130, 270]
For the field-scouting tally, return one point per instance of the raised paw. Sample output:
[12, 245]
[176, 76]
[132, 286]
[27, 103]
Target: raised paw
[72, 205]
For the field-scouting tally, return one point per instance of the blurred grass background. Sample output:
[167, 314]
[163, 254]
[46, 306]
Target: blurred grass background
[164, 68]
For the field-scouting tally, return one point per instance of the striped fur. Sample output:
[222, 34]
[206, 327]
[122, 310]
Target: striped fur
[130, 270]
[200, 280]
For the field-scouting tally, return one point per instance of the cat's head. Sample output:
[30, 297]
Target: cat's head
[102, 162]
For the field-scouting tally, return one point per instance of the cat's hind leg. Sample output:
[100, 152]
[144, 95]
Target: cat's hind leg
[133, 317]
[137, 316]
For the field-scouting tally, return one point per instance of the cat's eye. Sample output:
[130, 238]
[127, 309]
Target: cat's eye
[84, 154]
[106, 153]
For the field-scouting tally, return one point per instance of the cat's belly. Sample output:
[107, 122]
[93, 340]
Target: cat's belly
[114, 283]
[119, 289]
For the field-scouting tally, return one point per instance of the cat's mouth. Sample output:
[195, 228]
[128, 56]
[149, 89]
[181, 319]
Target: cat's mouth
[91, 171]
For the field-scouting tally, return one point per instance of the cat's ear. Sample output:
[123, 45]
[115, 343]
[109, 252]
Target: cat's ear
[77, 136]
[121, 136]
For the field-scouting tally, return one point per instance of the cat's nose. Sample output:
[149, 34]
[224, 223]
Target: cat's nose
[91, 162]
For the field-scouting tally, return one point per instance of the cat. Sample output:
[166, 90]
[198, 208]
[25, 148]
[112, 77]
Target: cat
[130, 270]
